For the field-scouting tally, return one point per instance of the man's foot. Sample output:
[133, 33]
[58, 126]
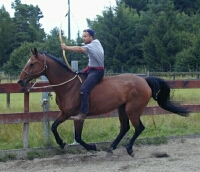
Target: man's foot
[79, 117]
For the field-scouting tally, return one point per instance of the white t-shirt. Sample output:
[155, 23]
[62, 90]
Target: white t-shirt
[95, 52]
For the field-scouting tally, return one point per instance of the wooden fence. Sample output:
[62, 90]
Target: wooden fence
[27, 117]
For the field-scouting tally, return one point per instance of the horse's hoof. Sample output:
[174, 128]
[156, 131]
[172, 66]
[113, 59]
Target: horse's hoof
[97, 148]
[63, 145]
[65, 148]
[108, 154]
[94, 147]
[130, 152]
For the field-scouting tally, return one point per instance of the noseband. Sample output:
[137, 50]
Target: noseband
[44, 68]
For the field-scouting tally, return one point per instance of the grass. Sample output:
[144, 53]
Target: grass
[8, 157]
[96, 130]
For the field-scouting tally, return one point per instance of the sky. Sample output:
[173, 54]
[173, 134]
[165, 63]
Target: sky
[54, 13]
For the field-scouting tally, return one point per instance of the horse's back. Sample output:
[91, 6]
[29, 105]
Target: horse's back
[114, 91]
[119, 81]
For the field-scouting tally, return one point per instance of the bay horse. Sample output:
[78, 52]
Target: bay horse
[128, 93]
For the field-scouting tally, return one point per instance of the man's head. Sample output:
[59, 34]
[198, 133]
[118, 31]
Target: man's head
[88, 36]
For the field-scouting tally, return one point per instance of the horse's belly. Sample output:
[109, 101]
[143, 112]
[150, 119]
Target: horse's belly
[104, 105]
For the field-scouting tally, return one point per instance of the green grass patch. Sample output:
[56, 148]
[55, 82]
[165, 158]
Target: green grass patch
[35, 154]
[8, 157]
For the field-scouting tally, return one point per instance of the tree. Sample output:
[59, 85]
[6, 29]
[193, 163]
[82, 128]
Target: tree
[188, 60]
[52, 43]
[163, 41]
[26, 23]
[116, 31]
[187, 6]
[19, 57]
[138, 5]
[5, 36]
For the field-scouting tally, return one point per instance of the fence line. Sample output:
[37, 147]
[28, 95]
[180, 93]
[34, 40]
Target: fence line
[26, 117]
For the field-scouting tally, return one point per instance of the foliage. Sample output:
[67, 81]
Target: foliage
[118, 28]
[138, 5]
[189, 58]
[187, 6]
[8, 157]
[5, 35]
[19, 57]
[146, 35]
[162, 42]
[26, 23]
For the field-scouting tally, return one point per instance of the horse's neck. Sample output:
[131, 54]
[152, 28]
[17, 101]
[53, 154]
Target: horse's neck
[56, 73]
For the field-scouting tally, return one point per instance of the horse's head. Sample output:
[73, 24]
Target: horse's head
[34, 68]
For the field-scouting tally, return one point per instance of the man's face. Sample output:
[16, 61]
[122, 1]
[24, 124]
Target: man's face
[87, 38]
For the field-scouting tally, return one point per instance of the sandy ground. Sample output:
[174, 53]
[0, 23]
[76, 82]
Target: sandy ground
[183, 156]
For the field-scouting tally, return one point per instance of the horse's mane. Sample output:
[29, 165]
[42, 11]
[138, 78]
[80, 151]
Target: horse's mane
[62, 63]
[56, 59]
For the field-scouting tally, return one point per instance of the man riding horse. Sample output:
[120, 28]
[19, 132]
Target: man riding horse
[94, 70]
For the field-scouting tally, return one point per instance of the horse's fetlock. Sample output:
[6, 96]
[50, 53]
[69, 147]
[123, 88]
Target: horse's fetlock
[110, 150]
[94, 147]
[78, 140]
[63, 145]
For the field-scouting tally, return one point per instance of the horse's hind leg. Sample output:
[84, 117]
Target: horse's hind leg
[124, 122]
[139, 127]
[54, 127]
[78, 125]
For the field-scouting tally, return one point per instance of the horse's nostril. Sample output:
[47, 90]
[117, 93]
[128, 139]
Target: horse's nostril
[20, 82]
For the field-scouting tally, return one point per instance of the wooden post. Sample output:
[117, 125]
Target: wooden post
[8, 100]
[46, 107]
[26, 125]
[174, 77]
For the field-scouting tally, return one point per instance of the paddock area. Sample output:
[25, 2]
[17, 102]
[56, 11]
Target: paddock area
[177, 155]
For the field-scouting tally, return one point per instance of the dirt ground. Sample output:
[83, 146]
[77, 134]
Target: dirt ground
[183, 155]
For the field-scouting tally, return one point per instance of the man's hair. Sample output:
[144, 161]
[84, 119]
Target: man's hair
[90, 31]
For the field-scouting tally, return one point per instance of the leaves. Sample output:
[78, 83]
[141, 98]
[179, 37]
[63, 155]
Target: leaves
[137, 36]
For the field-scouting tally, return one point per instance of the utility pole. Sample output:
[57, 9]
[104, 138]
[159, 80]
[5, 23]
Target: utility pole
[69, 31]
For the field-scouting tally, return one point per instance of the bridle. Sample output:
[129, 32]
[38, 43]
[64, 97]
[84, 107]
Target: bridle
[44, 68]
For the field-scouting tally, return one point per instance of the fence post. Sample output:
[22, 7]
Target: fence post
[26, 125]
[45, 105]
[74, 65]
[8, 100]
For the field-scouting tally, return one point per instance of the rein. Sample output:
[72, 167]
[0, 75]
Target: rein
[56, 85]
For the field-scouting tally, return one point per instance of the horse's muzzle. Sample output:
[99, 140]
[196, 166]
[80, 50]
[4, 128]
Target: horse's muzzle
[21, 83]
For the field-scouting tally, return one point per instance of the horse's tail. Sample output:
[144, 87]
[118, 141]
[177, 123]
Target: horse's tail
[161, 94]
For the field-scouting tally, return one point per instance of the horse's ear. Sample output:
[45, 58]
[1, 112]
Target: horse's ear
[34, 52]
[31, 50]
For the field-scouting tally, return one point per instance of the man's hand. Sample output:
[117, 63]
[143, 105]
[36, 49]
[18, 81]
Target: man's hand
[63, 46]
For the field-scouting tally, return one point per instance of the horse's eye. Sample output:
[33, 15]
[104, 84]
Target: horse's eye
[31, 65]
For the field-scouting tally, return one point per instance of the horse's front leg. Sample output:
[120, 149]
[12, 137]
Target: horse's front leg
[78, 132]
[54, 127]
